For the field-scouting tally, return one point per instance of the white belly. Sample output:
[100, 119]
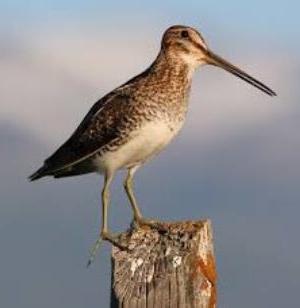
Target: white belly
[143, 144]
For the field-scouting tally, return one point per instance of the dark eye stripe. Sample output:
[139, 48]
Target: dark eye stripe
[200, 46]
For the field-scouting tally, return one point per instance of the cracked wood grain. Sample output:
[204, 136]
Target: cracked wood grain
[172, 265]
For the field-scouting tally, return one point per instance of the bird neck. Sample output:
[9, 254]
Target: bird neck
[165, 87]
[167, 65]
[172, 75]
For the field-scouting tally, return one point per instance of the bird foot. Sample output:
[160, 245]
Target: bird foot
[151, 223]
[113, 239]
[104, 236]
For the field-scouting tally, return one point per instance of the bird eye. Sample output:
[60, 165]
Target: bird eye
[184, 34]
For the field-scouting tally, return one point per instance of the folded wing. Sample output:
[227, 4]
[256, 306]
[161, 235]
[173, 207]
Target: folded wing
[100, 126]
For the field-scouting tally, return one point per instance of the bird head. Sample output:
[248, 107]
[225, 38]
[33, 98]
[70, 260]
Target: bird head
[188, 45]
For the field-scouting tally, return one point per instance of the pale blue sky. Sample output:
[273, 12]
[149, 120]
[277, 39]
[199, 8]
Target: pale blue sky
[278, 20]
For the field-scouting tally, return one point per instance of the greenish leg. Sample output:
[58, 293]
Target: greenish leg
[105, 234]
[105, 203]
[128, 185]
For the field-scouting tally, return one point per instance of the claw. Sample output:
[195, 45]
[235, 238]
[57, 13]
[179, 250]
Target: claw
[153, 224]
[146, 222]
[94, 250]
[105, 236]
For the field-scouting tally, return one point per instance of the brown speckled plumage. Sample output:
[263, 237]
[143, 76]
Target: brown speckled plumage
[161, 92]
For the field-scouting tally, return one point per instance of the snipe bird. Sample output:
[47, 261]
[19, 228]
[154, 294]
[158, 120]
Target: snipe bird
[134, 122]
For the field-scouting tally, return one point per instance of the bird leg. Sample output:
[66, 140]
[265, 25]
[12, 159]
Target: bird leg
[105, 235]
[128, 185]
[137, 215]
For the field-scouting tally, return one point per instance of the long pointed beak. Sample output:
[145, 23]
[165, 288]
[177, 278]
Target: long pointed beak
[214, 59]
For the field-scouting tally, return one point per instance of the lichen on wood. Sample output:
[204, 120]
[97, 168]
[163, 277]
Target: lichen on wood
[171, 265]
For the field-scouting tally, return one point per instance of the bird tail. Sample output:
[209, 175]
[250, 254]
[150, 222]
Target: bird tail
[41, 172]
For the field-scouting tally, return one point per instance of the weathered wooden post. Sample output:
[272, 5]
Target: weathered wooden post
[171, 266]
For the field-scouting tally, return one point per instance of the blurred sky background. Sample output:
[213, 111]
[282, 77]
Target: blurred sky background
[236, 160]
